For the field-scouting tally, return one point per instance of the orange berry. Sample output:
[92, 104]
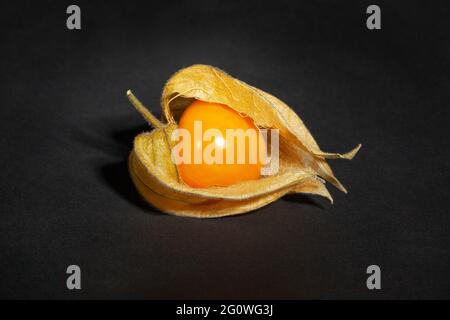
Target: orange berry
[229, 170]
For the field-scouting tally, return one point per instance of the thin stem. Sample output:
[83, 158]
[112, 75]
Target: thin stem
[148, 116]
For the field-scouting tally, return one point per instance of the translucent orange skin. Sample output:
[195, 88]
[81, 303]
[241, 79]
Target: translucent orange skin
[221, 117]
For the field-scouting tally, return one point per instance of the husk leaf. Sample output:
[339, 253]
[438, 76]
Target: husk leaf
[302, 163]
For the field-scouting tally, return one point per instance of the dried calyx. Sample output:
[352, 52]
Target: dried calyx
[302, 164]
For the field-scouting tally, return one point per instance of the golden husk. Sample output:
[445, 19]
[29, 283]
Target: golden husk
[302, 164]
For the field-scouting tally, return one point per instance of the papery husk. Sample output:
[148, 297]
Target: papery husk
[302, 163]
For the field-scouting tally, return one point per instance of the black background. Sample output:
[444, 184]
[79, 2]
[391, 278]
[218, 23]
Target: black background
[67, 128]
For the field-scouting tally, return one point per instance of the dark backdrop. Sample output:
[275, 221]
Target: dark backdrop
[67, 127]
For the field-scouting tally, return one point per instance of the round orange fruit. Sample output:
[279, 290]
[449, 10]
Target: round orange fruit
[225, 146]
